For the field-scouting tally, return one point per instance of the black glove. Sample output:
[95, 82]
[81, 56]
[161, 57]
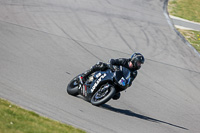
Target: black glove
[102, 66]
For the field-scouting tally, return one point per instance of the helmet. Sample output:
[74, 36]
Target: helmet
[137, 58]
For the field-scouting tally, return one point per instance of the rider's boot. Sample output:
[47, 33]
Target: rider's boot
[96, 67]
[116, 96]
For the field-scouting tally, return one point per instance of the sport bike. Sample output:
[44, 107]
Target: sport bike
[100, 86]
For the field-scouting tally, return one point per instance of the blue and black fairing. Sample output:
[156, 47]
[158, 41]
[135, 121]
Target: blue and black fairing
[119, 79]
[123, 77]
[101, 77]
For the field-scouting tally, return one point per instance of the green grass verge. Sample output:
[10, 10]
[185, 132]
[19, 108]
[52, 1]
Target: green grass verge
[14, 119]
[187, 9]
[193, 37]
[190, 10]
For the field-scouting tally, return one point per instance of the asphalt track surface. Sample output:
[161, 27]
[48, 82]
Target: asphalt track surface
[45, 43]
[185, 23]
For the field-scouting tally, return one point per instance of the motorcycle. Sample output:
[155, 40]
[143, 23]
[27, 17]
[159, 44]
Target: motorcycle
[100, 86]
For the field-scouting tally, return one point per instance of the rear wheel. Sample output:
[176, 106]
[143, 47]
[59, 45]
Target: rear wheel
[72, 87]
[103, 94]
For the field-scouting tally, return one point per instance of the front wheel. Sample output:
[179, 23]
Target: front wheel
[103, 94]
[72, 87]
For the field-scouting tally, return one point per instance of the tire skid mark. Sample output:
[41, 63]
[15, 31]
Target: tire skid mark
[142, 28]
[165, 48]
[146, 36]
[66, 37]
[120, 35]
[81, 44]
[85, 28]
[135, 40]
[76, 41]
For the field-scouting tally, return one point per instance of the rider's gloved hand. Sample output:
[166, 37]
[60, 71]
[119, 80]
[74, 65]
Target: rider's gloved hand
[107, 66]
[102, 66]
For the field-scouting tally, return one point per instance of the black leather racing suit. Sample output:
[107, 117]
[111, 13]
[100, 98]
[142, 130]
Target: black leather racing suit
[124, 63]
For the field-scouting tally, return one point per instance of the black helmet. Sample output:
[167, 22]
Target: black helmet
[135, 58]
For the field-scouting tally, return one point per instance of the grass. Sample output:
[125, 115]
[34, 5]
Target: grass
[187, 9]
[14, 119]
[190, 10]
[193, 37]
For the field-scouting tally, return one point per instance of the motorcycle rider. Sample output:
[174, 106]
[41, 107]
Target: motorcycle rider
[133, 64]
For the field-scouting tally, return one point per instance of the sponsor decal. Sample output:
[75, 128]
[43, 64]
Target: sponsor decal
[122, 81]
[98, 81]
[98, 75]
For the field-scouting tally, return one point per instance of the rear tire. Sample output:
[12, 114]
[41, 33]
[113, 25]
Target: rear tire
[72, 87]
[95, 100]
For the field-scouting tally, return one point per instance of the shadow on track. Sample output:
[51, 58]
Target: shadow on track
[130, 113]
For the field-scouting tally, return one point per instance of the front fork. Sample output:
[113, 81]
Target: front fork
[83, 89]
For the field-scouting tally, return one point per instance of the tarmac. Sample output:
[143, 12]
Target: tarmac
[44, 44]
[185, 24]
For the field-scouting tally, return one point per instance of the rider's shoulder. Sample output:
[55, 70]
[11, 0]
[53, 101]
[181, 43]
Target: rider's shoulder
[124, 59]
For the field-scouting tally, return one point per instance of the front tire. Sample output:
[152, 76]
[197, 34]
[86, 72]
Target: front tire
[102, 96]
[72, 87]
